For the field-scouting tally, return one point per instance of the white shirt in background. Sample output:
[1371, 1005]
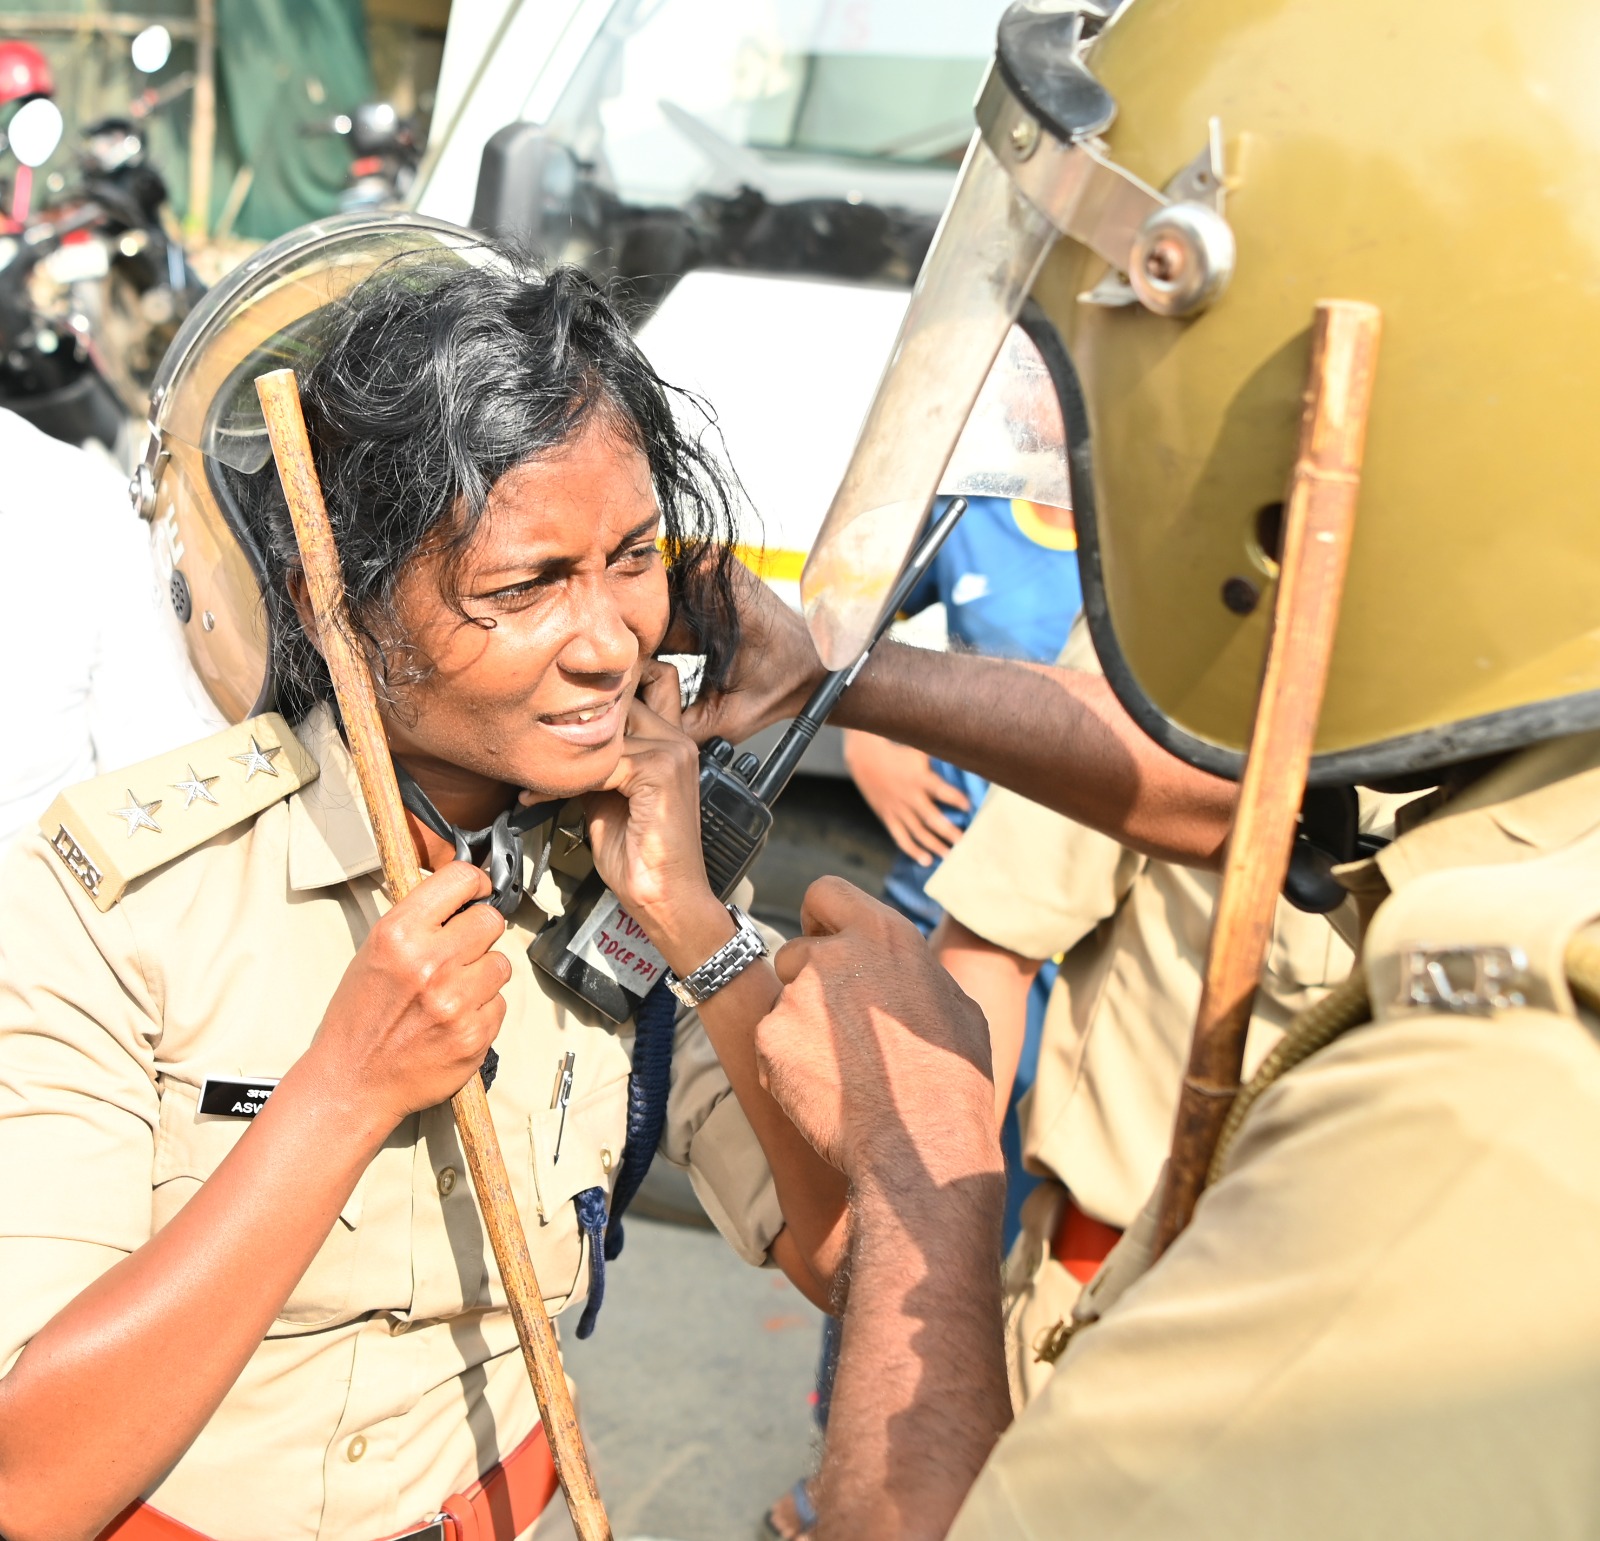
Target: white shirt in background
[92, 670]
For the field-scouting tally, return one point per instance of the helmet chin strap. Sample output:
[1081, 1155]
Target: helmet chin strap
[497, 847]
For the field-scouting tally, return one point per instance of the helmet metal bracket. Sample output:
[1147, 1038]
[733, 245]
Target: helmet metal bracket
[147, 474]
[1041, 111]
[1202, 182]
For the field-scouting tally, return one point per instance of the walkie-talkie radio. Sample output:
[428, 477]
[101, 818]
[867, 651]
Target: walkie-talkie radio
[597, 948]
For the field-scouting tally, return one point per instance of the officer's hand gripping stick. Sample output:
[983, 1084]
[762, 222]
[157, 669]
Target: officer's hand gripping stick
[594, 949]
[369, 748]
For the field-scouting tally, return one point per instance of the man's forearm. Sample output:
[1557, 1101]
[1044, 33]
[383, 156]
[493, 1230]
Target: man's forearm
[1058, 736]
[920, 1396]
[999, 981]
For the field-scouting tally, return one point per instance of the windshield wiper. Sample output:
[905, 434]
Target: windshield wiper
[744, 166]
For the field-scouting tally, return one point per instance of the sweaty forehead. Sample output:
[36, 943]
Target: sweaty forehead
[595, 488]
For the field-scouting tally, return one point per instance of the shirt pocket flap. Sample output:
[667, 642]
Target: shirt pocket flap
[193, 1145]
[589, 1147]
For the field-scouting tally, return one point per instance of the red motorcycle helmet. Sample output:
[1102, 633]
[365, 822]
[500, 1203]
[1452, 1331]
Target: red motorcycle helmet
[24, 72]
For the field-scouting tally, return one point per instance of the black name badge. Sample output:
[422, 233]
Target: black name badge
[234, 1099]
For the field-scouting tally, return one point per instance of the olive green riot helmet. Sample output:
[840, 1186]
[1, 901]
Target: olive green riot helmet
[270, 313]
[1161, 199]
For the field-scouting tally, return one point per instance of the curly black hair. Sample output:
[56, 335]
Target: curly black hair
[435, 381]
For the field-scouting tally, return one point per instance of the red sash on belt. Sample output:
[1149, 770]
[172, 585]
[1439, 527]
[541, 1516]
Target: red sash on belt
[1081, 1242]
[499, 1506]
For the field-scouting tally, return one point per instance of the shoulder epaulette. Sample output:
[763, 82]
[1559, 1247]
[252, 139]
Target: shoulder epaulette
[126, 823]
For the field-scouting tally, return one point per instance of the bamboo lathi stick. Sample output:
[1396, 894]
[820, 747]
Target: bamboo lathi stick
[369, 748]
[1319, 519]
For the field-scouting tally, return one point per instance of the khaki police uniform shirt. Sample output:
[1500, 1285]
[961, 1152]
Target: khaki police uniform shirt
[1117, 1029]
[1385, 1317]
[392, 1376]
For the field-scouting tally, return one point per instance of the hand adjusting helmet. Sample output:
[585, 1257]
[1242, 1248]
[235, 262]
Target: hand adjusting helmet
[1161, 200]
[205, 422]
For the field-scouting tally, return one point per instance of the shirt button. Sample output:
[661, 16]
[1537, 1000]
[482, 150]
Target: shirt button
[605, 1158]
[447, 1182]
[357, 1447]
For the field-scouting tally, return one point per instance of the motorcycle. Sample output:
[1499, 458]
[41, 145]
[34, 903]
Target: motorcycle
[123, 275]
[50, 371]
[387, 154]
[93, 287]
[125, 272]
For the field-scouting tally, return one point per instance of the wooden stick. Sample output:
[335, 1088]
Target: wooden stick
[369, 748]
[1319, 519]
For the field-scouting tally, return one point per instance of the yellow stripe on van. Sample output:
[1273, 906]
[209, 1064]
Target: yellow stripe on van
[764, 562]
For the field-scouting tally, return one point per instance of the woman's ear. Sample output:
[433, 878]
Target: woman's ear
[300, 596]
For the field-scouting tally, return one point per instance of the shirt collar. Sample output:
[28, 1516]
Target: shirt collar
[330, 836]
[1542, 799]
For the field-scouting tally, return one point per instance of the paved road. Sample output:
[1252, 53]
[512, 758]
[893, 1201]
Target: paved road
[694, 1388]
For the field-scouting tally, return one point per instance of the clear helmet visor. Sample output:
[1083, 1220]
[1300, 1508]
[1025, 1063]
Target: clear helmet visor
[1014, 443]
[273, 312]
[1036, 172]
[206, 430]
[977, 275]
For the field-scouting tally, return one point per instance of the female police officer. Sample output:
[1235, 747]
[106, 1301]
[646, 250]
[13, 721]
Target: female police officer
[247, 1289]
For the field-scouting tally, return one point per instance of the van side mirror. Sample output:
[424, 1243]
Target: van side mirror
[527, 189]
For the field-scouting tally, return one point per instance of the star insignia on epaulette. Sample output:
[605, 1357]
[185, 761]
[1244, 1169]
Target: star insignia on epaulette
[195, 786]
[138, 814]
[255, 758]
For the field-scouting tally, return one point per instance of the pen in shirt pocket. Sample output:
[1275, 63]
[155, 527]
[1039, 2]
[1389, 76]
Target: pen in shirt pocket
[561, 1097]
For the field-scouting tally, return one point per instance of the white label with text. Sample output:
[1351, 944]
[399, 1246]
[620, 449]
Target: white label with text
[613, 942]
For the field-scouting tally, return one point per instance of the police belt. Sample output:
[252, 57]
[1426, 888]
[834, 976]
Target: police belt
[499, 1506]
[1081, 1243]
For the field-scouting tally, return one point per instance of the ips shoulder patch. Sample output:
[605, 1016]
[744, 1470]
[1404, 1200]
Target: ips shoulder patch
[126, 823]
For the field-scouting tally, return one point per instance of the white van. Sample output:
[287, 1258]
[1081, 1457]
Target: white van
[762, 177]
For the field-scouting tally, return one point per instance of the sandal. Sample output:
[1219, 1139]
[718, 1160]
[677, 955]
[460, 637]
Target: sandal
[793, 1517]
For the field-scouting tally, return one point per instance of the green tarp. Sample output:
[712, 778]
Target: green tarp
[284, 68]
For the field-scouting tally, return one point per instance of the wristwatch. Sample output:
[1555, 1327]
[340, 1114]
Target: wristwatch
[725, 965]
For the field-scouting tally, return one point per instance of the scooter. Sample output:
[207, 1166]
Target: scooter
[49, 371]
[386, 155]
[123, 276]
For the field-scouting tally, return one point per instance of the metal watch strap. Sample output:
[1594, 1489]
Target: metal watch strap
[725, 965]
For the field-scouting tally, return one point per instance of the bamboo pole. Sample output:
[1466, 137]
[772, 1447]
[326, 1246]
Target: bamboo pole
[1319, 520]
[369, 748]
[203, 124]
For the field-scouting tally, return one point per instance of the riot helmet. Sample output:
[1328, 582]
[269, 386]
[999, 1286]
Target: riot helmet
[207, 431]
[1161, 199]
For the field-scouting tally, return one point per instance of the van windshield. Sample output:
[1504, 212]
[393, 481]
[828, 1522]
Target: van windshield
[688, 95]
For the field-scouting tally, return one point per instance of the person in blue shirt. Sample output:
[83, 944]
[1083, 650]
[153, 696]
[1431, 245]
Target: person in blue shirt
[1007, 577]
